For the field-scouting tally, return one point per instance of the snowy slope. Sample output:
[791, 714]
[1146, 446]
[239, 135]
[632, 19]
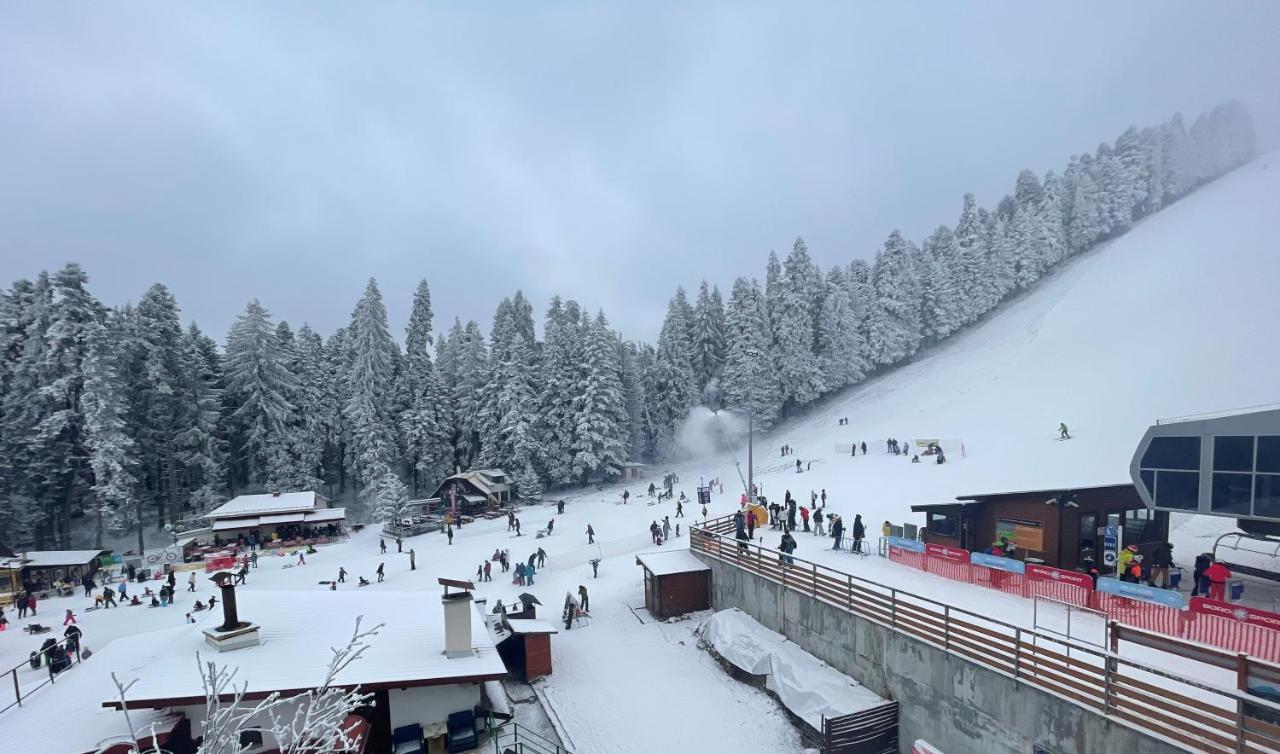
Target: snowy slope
[1171, 319]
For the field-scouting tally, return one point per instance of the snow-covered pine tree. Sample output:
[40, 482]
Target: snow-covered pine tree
[644, 434]
[674, 386]
[840, 345]
[1001, 264]
[494, 449]
[111, 450]
[368, 409]
[600, 443]
[20, 513]
[970, 272]
[258, 386]
[1131, 189]
[749, 382]
[1053, 234]
[1175, 151]
[1084, 221]
[799, 372]
[1153, 161]
[555, 423]
[1113, 190]
[425, 423]
[472, 373]
[894, 321]
[708, 335]
[201, 454]
[315, 409]
[519, 423]
[940, 308]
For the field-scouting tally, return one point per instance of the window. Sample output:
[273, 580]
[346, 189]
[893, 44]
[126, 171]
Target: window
[1233, 453]
[1266, 494]
[1178, 489]
[1232, 493]
[1149, 481]
[1141, 527]
[1269, 454]
[944, 524]
[1181, 453]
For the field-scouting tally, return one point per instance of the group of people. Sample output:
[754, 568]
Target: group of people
[660, 533]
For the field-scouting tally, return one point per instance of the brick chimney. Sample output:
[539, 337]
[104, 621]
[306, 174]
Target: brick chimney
[457, 618]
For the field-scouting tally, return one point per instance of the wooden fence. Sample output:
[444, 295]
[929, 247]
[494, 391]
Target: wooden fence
[870, 731]
[1193, 715]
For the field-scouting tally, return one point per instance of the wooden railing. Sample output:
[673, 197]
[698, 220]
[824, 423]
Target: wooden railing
[1196, 716]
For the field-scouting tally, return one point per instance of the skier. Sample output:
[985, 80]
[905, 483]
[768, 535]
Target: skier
[864, 448]
[511, 520]
[591, 535]
[859, 531]
[381, 571]
[1063, 434]
[837, 531]
[1161, 561]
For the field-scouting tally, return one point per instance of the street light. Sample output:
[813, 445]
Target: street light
[751, 486]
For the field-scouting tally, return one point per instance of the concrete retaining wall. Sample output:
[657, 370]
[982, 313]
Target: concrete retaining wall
[959, 706]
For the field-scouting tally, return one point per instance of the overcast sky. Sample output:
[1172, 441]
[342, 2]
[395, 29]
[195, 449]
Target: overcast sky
[289, 151]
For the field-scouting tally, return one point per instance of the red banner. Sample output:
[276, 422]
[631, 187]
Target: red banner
[1239, 613]
[1059, 576]
[953, 554]
[906, 557]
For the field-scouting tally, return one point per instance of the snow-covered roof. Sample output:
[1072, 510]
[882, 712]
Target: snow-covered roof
[282, 518]
[257, 505]
[327, 514]
[298, 629]
[309, 517]
[42, 722]
[531, 626]
[56, 558]
[671, 561]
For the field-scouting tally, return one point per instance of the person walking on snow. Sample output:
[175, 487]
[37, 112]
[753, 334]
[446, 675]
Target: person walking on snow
[837, 531]
[542, 557]
[528, 575]
[591, 535]
[517, 527]
[666, 528]
[680, 508]
[342, 575]
[488, 569]
[804, 518]
[449, 533]
[817, 524]
[1062, 432]
[382, 546]
[583, 599]
[381, 571]
[191, 582]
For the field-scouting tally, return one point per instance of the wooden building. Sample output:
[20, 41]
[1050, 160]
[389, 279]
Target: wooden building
[675, 583]
[527, 648]
[1059, 527]
[473, 491]
[38, 569]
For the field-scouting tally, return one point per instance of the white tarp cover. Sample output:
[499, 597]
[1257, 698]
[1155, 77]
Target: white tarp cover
[808, 687]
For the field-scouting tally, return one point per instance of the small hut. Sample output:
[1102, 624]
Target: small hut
[675, 583]
[527, 650]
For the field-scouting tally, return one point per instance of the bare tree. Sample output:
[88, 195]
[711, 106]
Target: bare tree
[307, 722]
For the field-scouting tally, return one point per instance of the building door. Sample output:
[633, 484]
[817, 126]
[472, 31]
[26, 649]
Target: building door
[1089, 539]
[968, 532]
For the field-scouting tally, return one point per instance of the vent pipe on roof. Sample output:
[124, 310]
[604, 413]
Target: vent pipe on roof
[457, 619]
[233, 633]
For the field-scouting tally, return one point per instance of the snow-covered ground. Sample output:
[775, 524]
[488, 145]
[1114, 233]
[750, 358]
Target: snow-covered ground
[1174, 318]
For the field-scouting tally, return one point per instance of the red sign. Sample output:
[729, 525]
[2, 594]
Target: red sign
[1238, 613]
[1038, 572]
[954, 554]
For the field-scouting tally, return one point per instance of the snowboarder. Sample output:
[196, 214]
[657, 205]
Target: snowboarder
[859, 531]
[591, 535]
[381, 571]
[1063, 434]
[583, 599]
[342, 575]
[382, 544]
[449, 533]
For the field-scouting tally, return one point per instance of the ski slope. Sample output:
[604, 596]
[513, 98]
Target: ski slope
[1176, 317]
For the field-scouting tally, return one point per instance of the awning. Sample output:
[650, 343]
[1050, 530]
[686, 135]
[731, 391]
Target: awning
[282, 518]
[328, 514]
[475, 499]
[235, 523]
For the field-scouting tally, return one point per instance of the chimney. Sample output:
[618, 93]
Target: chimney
[457, 618]
[233, 633]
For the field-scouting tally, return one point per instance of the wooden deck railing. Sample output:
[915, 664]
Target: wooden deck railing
[1197, 716]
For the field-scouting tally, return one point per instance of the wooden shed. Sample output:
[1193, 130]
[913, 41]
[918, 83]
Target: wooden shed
[528, 649]
[675, 583]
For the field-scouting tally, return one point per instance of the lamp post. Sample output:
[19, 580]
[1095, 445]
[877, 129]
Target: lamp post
[751, 485]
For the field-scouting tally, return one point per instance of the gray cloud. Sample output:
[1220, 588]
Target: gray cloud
[289, 151]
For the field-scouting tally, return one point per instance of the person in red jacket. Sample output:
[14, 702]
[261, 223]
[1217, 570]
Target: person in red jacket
[1218, 575]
